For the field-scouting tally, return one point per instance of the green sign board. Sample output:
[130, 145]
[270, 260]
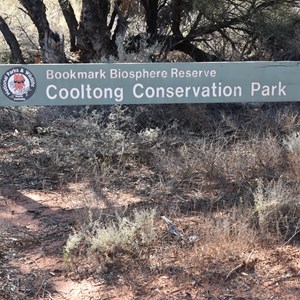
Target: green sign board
[149, 83]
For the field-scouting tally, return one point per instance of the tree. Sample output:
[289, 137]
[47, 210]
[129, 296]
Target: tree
[205, 30]
[52, 45]
[16, 54]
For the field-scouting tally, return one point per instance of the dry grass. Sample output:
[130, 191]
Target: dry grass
[278, 208]
[226, 186]
[184, 173]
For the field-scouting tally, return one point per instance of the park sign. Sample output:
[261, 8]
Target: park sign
[149, 83]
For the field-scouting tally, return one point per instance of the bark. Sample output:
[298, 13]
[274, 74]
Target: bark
[176, 17]
[93, 36]
[52, 45]
[151, 14]
[176, 41]
[16, 53]
[171, 43]
[122, 23]
[71, 20]
[193, 51]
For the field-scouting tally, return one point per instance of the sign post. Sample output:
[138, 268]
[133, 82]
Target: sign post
[149, 83]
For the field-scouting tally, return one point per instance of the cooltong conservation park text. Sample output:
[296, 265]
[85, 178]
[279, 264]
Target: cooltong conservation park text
[149, 83]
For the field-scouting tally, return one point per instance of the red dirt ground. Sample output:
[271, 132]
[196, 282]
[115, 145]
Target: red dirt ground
[35, 226]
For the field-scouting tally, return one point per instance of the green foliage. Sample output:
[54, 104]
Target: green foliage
[72, 244]
[110, 239]
[278, 31]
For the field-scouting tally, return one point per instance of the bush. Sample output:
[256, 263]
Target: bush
[277, 208]
[108, 241]
[292, 145]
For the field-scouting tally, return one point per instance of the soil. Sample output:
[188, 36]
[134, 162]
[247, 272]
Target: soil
[35, 226]
[36, 220]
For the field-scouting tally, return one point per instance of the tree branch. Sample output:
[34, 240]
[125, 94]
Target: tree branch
[16, 53]
[193, 51]
[234, 20]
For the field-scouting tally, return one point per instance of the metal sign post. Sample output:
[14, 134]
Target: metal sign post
[149, 83]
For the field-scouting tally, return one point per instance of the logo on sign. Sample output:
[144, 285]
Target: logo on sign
[18, 84]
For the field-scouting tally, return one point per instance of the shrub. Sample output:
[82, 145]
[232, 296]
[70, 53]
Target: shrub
[107, 241]
[277, 208]
[229, 233]
[292, 145]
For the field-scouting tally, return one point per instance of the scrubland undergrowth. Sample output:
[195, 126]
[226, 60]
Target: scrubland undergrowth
[226, 175]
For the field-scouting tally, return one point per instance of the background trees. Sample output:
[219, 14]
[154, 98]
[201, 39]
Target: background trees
[203, 30]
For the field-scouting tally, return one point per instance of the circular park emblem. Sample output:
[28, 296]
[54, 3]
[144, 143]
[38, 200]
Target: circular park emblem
[18, 84]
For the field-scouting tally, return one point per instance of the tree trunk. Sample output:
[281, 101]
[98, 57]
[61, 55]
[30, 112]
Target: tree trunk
[176, 17]
[72, 23]
[122, 23]
[151, 13]
[16, 53]
[52, 45]
[93, 36]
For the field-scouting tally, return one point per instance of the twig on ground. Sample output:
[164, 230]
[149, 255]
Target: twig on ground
[290, 239]
[30, 234]
[243, 264]
[248, 258]
[288, 277]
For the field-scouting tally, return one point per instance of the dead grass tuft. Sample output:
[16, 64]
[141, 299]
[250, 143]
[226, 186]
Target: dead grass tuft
[109, 241]
[278, 208]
